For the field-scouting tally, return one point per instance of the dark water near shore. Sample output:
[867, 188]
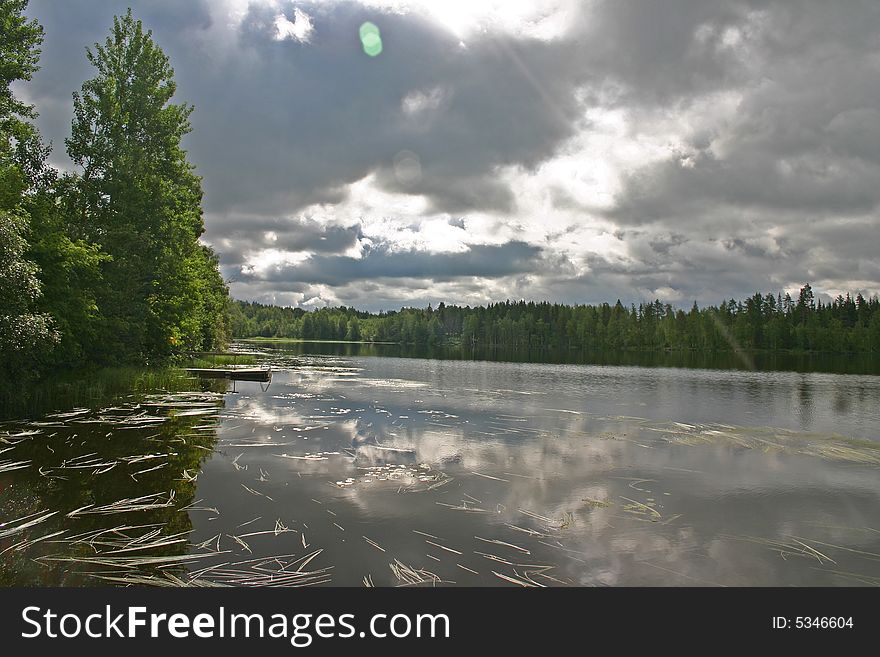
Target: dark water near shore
[356, 466]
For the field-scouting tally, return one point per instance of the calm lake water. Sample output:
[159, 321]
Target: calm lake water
[354, 468]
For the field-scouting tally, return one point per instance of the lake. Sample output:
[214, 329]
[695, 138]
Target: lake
[359, 467]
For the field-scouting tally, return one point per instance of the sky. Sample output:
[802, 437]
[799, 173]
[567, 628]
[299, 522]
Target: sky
[576, 151]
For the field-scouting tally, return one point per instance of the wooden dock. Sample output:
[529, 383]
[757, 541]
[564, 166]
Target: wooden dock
[233, 373]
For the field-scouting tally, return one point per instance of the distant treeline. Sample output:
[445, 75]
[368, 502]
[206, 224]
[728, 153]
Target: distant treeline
[102, 264]
[774, 322]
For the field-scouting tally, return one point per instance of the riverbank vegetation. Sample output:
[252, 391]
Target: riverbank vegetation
[771, 322]
[102, 265]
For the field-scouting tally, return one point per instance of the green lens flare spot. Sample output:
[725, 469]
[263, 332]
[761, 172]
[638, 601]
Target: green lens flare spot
[368, 28]
[370, 39]
[372, 44]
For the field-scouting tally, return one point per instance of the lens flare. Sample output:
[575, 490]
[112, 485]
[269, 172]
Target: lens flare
[371, 40]
[407, 168]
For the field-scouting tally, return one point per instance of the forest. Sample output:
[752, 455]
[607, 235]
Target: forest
[103, 264]
[772, 322]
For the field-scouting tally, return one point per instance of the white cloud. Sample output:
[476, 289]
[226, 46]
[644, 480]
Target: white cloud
[418, 103]
[300, 28]
[261, 262]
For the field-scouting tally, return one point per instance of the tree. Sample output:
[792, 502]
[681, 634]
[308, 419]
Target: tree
[354, 330]
[70, 272]
[435, 332]
[140, 200]
[470, 330]
[805, 304]
[24, 331]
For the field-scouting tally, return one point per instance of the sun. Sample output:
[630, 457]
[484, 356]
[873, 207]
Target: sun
[461, 17]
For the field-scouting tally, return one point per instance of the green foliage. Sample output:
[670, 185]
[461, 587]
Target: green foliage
[761, 322]
[104, 265]
[353, 331]
[25, 333]
[139, 199]
[20, 41]
[70, 270]
[220, 360]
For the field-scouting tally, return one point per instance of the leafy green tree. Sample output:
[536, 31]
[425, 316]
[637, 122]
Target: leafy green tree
[25, 333]
[139, 198]
[354, 329]
[435, 331]
[70, 273]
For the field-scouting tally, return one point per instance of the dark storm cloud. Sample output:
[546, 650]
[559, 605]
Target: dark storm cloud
[243, 237]
[789, 183]
[717, 190]
[282, 124]
[381, 263]
[804, 141]
[773, 180]
[752, 250]
[330, 115]
[651, 46]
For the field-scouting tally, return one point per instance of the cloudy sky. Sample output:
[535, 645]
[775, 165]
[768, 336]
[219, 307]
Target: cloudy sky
[568, 150]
